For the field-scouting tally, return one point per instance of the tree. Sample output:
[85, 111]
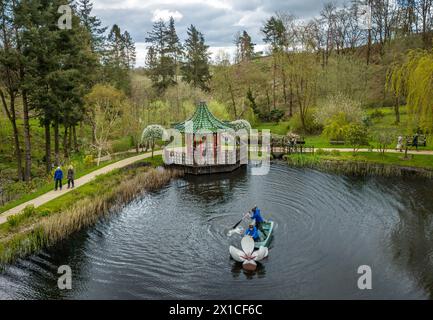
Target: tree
[151, 134]
[10, 81]
[92, 24]
[240, 124]
[275, 35]
[104, 107]
[119, 58]
[160, 56]
[195, 69]
[411, 79]
[245, 47]
[356, 135]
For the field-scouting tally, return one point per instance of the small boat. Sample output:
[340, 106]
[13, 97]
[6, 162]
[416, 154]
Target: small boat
[265, 239]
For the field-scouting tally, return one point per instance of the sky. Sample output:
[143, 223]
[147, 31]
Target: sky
[218, 20]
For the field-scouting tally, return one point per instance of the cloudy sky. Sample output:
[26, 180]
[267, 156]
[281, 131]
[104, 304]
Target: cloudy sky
[218, 20]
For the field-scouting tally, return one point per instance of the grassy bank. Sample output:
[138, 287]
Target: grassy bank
[365, 163]
[81, 169]
[36, 228]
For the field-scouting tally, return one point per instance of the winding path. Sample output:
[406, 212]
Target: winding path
[79, 182]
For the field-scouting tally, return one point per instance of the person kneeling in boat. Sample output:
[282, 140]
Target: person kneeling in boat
[252, 232]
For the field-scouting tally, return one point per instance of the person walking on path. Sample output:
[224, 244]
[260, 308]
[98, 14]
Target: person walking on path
[400, 143]
[415, 141]
[58, 176]
[70, 176]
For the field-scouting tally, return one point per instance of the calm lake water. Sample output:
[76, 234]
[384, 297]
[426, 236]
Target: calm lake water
[172, 244]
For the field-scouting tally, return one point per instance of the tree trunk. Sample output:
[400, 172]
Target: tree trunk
[47, 146]
[291, 102]
[56, 143]
[274, 84]
[99, 155]
[369, 46]
[74, 134]
[70, 139]
[65, 143]
[397, 110]
[27, 143]
[11, 114]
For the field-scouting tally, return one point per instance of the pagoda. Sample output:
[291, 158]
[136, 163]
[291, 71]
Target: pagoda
[202, 149]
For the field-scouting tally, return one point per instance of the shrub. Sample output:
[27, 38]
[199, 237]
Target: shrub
[356, 136]
[89, 160]
[311, 126]
[335, 153]
[336, 127]
[377, 114]
[321, 152]
[337, 104]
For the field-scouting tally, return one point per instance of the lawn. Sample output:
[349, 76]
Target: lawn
[385, 124]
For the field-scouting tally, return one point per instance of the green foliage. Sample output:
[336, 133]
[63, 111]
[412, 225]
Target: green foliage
[311, 125]
[336, 105]
[195, 69]
[412, 78]
[377, 114]
[356, 135]
[336, 127]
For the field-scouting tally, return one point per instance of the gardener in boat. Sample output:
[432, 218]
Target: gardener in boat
[256, 216]
[252, 232]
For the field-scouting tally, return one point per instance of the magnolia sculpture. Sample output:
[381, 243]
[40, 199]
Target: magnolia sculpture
[247, 255]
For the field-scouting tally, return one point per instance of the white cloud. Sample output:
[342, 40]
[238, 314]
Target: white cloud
[165, 15]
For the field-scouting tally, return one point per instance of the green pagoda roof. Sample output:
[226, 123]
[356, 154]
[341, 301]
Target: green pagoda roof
[202, 120]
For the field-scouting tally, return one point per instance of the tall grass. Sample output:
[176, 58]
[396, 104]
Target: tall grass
[357, 168]
[84, 213]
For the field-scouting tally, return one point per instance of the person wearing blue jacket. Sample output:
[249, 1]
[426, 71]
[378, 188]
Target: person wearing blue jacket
[58, 176]
[252, 232]
[255, 215]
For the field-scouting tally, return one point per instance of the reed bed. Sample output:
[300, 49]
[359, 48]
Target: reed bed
[86, 212]
[358, 168]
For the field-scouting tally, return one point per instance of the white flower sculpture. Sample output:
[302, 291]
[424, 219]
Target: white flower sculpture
[247, 255]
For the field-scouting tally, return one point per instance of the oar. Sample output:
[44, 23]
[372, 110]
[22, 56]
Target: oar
[239, 221]
[234, 230]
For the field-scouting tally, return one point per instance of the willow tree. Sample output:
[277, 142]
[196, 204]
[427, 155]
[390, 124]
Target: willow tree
[151, 134]
[413, 79]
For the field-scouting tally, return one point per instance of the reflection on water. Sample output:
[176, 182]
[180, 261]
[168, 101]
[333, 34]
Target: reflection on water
[173, 244]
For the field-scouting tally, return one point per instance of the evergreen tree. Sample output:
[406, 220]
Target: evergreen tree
[245, 47]
[162, 62]
[174, 47]
[118, 59]
[92, 24]
[195, 69]
[129, 47]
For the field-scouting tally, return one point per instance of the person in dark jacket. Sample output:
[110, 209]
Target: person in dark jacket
[415, 141]
[70, 176]
[58, 176]
[252, 232]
